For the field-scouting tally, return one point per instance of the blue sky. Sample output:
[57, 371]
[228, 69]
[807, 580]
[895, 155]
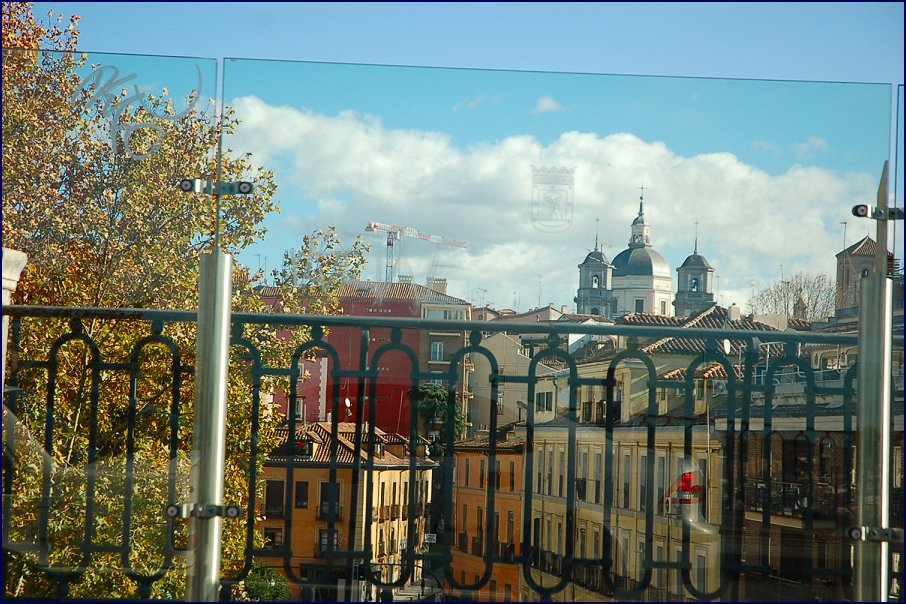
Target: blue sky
[768, 169]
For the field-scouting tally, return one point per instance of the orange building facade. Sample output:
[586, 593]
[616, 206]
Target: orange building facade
[305, 517]
[478, 528]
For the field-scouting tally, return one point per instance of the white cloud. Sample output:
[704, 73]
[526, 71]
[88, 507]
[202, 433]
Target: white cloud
[807, 148]
[767, 147]
[347, 169]
[476, 102]
[546, 104]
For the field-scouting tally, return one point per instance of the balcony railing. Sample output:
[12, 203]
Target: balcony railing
[477, 549]
[274, 513]
[325, 512]
[462, 541]
[29, 528]
[791, 498]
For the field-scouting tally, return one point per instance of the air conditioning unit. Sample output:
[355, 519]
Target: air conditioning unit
[720, 386]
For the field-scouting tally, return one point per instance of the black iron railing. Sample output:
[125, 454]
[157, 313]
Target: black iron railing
[111, 473]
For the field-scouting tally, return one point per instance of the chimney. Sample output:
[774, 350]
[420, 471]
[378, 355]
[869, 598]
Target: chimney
[734, 313]
[437, 284]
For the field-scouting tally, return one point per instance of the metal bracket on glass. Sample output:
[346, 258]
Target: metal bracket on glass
[866, 211]
[185, 510]
[200, 185]
[876, 534]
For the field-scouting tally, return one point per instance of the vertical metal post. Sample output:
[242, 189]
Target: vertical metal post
[211, 365]
[873, 418]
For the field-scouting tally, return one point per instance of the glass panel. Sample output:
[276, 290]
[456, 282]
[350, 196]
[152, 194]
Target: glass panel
[508, 195]
[93, 147]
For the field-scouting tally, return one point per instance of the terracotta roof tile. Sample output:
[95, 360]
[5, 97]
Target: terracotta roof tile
[396, 291]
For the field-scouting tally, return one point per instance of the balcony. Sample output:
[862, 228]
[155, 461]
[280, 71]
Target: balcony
[328, 512]
[477, 546]
[395, 511]
[551, 563]
[789, 498]
[384, 513]
[462, 541]
[273, 513]
[506, 550]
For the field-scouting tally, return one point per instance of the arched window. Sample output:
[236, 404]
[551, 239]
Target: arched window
[595, 311]
[594, 281]
[695, 284]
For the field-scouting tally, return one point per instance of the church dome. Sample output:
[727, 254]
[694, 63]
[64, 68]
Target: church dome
[696, 261]
[640, 261]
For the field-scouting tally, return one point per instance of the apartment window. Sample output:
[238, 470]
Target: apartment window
[299, 407]
[500, 403]
[627, 468]
[582, 542]
[639, 305]
[663, 307]
[703, 473]
[330, 540]
[330, 499]
[273, 499]
[510, 526]
[702, 573]
[497, 475]
[393, 494]
[437, 351]
[507, 592]
[466, 474]
[481, 474]
[301, 494]
[561, 474]
[598, 481]
[465, 517]
[540, 487]
[479, 516]
[596, 541]
[643, 482]
[550, 471]
[548, 401]
[659, 483]
[383, 485]
[512, 476]
[493, 594]
[273, 537]
[659, 574]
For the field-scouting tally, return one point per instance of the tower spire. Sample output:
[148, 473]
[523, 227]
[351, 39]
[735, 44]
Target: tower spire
[641, 199]
[596, 234]
[695, 251]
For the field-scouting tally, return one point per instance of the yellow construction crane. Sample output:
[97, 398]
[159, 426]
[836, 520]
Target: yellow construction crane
[395, 231]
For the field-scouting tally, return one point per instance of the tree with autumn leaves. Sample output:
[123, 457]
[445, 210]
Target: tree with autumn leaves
[104, 226]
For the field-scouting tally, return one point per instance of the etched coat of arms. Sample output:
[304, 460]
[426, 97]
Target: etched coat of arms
[552, 198]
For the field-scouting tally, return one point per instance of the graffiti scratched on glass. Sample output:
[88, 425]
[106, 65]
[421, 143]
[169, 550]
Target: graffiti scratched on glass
[105, 84]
